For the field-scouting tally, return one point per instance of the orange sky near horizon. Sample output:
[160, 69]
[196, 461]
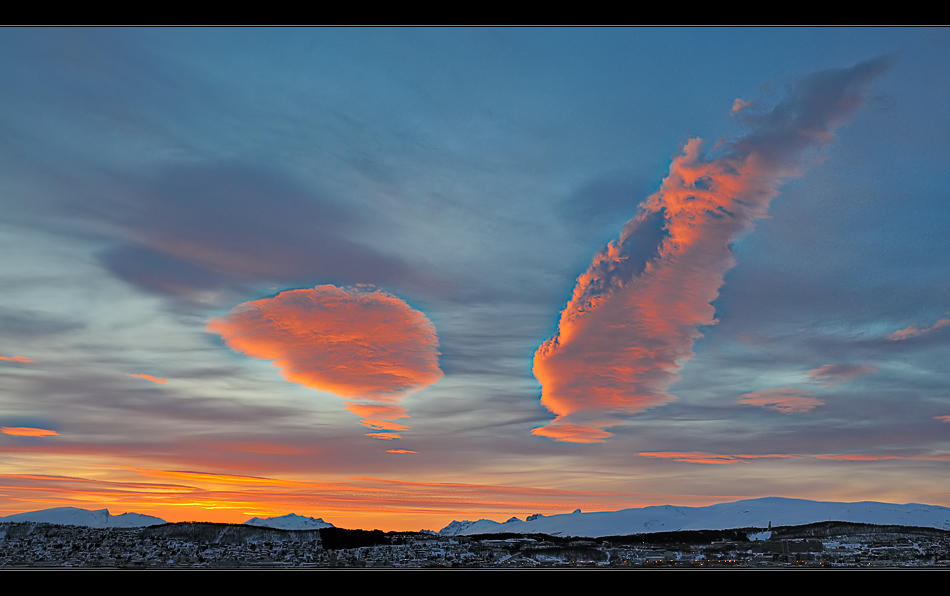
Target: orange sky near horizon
[388, 504]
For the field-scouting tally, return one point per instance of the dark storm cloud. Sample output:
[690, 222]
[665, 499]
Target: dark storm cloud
[200, 227]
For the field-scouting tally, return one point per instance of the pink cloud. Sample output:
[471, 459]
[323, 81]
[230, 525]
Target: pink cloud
[150, 378]
[631, 322]
[832, 374]
[22, 359]
[786, 400]
[738, 105]
[913, 331]
[361, 344]
[384, 436]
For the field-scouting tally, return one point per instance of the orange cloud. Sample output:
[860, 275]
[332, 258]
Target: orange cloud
[786, 400]
[633, 317]
[832, 374]
[913, 331]
[361, 344]
[399, 451]
[22, 359]
[150, 378]
[942, 418]
[738, 105]
[379, 418]
[571, 433]
[635, 313]
[26, 431]
[385, 436]
[371, 410]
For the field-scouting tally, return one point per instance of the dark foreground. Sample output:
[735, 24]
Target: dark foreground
[210, 546]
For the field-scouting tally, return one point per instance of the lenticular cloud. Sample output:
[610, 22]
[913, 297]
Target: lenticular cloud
[362, 344]
[630, 325]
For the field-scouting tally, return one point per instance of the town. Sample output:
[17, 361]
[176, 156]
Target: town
[223, 546]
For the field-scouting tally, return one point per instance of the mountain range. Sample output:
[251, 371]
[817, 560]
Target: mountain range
[73, 516]
[751, 513]
[291, 521]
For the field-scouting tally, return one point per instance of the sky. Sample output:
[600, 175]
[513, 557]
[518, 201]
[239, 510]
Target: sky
[396, 277]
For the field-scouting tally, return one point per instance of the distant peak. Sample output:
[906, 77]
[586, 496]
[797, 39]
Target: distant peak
[74, 516]
[291, 521]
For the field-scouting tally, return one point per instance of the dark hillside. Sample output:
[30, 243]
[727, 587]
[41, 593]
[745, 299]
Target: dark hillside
[212, 533]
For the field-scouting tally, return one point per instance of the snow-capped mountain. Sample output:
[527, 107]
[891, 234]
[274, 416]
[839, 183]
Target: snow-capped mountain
[291, 521]
[758, 513]
[73, 516]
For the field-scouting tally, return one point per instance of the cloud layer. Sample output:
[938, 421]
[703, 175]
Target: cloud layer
[630, 325]
[832, 374]
[362, 344]
[27, 431]
[786, 400]
[23, 359]
[912, 331]
[150, 378]
[194, 231]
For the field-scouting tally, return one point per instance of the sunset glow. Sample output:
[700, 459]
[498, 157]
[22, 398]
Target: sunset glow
[393, 278]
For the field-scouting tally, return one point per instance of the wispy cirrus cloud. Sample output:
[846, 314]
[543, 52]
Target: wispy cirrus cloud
[914, 331]
[634, 315]
[832, 374]
[700, 457]
[787, 400]
[692, 457]
[150, 378]
[361, 344]
[22, 359]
